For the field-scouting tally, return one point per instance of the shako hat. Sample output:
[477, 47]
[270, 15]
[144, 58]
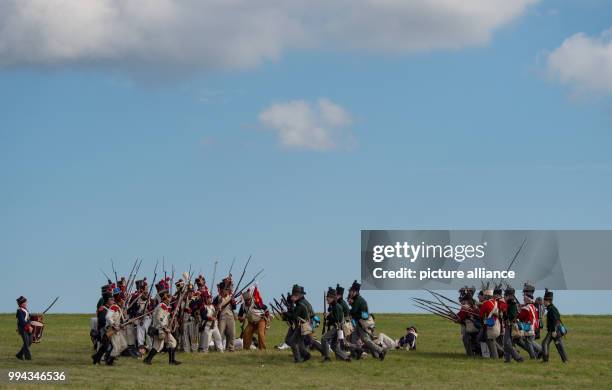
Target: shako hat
[331, 292]
[140, 284]
[548, 295]
[21, 300]
[498, 290]
[355, 286]
[339, 290]
[297, 289]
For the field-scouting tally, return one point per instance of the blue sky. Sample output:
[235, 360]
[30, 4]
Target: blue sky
[105, 159]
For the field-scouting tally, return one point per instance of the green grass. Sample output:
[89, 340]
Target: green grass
[439, 361]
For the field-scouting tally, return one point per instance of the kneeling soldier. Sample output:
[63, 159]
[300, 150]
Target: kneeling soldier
[161, 332]
[335, 319]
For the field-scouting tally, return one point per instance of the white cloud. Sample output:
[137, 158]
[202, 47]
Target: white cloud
[322, 125]
[584, 62]
[174, 36]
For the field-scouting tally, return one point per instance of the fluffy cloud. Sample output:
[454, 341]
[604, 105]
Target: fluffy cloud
[322, 125]
[584, 62]
[173, 35]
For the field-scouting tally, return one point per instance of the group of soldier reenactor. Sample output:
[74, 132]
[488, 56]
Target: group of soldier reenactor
[348, 327]
[141, 324]
[495, 323]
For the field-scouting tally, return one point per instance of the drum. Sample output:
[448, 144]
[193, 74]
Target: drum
[37, 327]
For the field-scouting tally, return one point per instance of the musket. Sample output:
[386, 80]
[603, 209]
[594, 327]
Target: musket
[248, 284]
[152, 284]
[172, 279]
[438, 296]
[515, 256]
[243, 271]
[231, 267]
[105, 275]
[114, 271]
[214, 274]
[442, 307]
[431, 309]
[131, 279]
[324, 313]
[446, 306]
[142, 315]
[448, 315]
[279, 306]
[50, 305]
[180, 298]
[436, 313]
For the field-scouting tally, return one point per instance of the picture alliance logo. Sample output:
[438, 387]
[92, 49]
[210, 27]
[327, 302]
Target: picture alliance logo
[414, 252]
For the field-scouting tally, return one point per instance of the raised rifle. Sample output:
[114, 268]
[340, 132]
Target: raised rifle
[106, 276]
[243, 272]
[115, 272]
[324, 313]
[214, 275]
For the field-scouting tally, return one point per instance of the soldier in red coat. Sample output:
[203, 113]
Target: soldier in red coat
[489, 314]
[528, 321]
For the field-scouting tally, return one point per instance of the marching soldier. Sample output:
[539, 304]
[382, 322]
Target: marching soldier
[528, 321]
[104, 344]
[554, 329]
[363, 322]
[140, 305]
[226, 305]
[24, 328]
[489, 314]
[113, 328]
[470, 323]
[189, 325]
[299, 317]
[347, 325]
[208, 327]
[510, 315]
[334, 320]
[161, 332]
[256, 316]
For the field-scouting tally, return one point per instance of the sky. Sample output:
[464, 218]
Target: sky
[200, 131]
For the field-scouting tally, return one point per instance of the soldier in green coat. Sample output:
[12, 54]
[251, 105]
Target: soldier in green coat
[334, 319]
[297, 314]
[363, 323]
[510, 317]
[342, 303]
[554, 327]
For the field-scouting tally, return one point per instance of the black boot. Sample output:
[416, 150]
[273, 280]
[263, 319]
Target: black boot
[561, 351]
[150, 356]
[110, 361]
[172, 357]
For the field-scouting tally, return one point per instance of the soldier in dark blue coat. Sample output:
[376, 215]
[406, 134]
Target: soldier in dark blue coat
[24, 328]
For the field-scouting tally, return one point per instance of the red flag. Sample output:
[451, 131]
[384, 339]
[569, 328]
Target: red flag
[257, 297]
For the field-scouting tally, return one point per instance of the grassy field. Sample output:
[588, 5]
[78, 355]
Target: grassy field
[438, 363]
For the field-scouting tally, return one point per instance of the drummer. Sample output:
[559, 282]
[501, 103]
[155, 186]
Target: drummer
[24, 328]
